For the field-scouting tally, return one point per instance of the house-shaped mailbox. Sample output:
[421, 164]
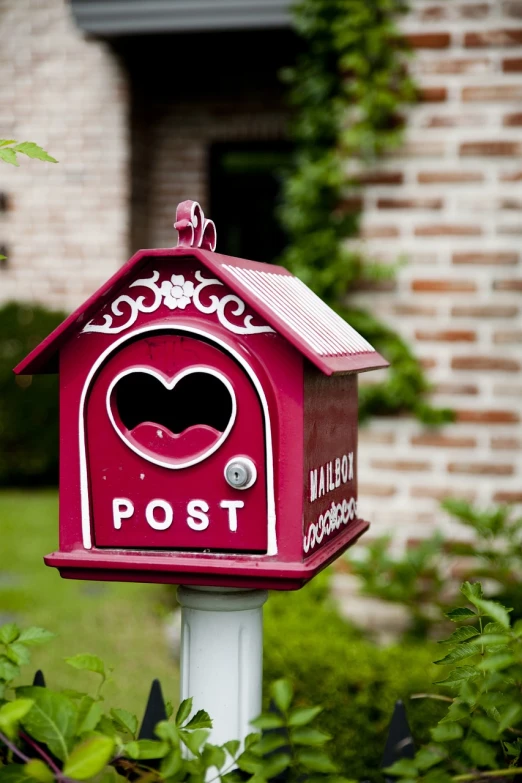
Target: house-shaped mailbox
[208, 422]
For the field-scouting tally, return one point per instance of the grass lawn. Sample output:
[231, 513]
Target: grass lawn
[122, 623]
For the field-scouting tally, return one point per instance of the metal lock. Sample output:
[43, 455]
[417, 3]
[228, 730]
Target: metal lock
[240, 473]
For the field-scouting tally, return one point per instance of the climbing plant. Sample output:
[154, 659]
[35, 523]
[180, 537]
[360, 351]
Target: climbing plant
[348, 88]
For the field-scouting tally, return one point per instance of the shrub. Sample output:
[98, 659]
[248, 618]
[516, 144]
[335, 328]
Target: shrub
[28, 406]
[357, 683]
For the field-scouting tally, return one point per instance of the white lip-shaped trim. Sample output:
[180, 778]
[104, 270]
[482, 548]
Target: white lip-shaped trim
[170, 384]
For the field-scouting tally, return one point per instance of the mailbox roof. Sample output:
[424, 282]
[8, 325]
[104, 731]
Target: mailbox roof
[285, 303]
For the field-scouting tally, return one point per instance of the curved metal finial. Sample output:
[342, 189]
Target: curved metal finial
[193, 228]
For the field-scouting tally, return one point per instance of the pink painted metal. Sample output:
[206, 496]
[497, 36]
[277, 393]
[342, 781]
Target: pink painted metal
[183, 363]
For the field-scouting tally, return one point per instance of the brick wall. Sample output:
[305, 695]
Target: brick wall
[65, 228]
[450, 203]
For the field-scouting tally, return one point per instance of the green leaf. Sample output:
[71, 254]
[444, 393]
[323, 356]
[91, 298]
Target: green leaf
[9, 156]
[480, 753]
[494, 628]
[125, 720]
[463, 650]
[213, 756]
[472, 591]
[510, 717]
[171, 764]
[462, 613]
[37, 770]
[496, 662]
[304, 735]
[89, 714]
[12, 713]
[8, 669]
[445, 732]
[456, 711]
[304, 715]
[184, 710]
[493, 639]
[426, 758]
[87, 662]
[486, 727]
[248, 762]
[282, 693]
[268, 743]
[15, 773]
[494, 610]
[32, 150]
[201, 720]
[461, 634]
[18, 653]
[51, 719]
[268, 720]
[275, 765]
[4, 142]
[232, 747]
[168, 731]
[146, 749]
[89, 758]
[9, 633]
[195, 739]
[459, 675]
[315, 761]
[405, 768]
[35, 635]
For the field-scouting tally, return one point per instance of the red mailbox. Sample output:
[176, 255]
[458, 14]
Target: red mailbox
[208, 420]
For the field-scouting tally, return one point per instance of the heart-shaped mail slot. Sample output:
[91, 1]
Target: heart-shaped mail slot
[173, 422]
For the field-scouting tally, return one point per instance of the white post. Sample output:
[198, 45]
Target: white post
[222, 656]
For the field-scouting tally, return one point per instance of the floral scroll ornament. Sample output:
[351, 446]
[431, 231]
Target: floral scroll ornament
[177, 293]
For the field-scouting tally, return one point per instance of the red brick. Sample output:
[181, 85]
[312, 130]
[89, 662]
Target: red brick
[443, 441]
[400, 464]
[441, 493]
[428, 40]
[474, 10]
[484, 311]
[507, 497]
[512, 65]
[376, 436]
[498, 92]
[443, 286]
[407, 309]
[486, 259]
[513, 336]
[481, 468]
[506, 444]
[433, 13]
[487, 416]
[377, 490]
[447, 230]
[447, 336]
[351, 204]
[508, 285]
[374, 285]
[456, 65]
[512, 120]
[493, 38]
[511, 176]
[379, 178]
[433, 94]
[410, 203]
[494, 363]
[450, 177]
[490, 148]
[456, 388]
[379, 232]
[459, 120]
[512, 8]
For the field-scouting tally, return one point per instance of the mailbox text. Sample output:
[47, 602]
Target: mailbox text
[159, 513]
[330, 476]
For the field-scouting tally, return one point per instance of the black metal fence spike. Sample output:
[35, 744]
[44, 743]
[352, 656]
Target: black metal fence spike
[154, 712]
[399, 744]
[39, 679]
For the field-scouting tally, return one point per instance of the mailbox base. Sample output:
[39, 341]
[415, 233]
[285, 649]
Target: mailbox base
[201, 569]
[222, 656]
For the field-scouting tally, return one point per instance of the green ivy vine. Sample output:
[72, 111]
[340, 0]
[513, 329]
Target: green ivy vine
[347, 90]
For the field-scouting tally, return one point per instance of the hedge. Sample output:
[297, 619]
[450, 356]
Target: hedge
[356, 682]
[28, 405]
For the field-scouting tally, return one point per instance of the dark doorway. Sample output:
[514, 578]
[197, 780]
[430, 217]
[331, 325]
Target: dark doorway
[245, 192]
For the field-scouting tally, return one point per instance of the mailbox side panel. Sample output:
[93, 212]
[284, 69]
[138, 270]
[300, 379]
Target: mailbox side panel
[330, 463]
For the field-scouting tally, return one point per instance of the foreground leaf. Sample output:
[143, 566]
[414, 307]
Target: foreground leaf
[35, 635]
[32, 150]
[89, 757]
[12, 713]
[87, 662]
[51, 719]
[38, 770]
[282, 693]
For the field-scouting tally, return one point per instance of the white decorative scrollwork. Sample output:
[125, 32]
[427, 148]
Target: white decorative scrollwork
[338, 514]
[177, 293]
